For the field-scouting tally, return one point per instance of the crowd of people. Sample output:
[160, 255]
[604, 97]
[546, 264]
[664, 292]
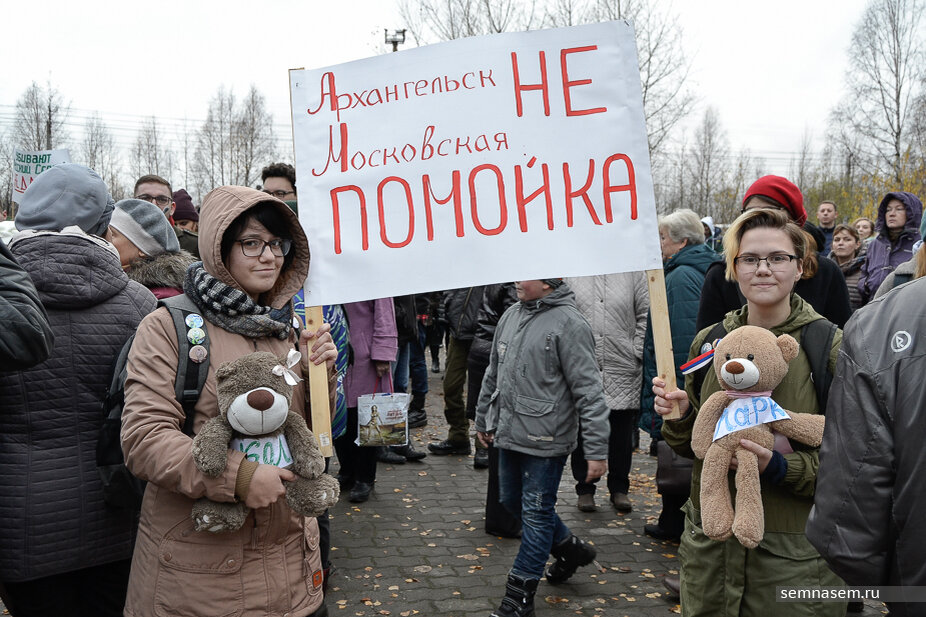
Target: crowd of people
[536, 374]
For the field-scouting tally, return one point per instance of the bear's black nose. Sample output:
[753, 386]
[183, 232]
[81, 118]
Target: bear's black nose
[261, 400]
[734, 368]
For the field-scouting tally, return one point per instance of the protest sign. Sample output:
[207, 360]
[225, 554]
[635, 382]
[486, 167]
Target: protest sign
[28, 165]
[481, 160]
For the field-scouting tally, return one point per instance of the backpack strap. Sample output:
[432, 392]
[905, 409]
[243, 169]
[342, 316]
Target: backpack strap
[718, 331]
[817, 341]
[191, 376]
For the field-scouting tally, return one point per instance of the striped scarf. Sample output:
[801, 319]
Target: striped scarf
[232, 309]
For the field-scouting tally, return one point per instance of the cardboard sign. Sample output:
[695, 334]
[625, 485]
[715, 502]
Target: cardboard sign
[28, 165]
[748, 412]
[480, 160]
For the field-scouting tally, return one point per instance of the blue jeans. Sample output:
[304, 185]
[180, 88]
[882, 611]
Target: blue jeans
[410, 360]
[527, 487]
[417, 365]
[400, 369]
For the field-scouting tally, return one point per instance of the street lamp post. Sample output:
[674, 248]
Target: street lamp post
[396, 38]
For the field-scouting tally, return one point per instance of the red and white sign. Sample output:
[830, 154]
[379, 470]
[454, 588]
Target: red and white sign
[481, 160]
[28, 165]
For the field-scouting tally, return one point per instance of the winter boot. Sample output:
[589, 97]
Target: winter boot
[570, 554]
[519, 598]
[417, 416]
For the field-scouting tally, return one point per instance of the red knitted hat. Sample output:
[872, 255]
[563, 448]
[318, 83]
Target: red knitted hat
[783, 191]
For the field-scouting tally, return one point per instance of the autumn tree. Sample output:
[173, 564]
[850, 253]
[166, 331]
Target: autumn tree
[884, 80]
[41, 114]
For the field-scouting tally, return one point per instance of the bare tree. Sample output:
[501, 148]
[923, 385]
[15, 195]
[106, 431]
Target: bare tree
[235, 141]
[151, 153]
[6, 173]
[802, 168]
[98, 152]
[884, 79]
[706, 165]
[40, 117]
[663, 65]
[444, 20]
[254, 143]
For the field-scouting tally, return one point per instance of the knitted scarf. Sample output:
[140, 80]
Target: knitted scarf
[233, 310]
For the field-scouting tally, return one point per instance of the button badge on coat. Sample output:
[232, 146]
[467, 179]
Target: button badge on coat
[193, 321]
[196, 336]
[198, 353]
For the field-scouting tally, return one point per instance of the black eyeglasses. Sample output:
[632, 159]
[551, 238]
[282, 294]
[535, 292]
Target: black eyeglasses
[776, 262]
[279, 194]
[254, 247]
[161, 200]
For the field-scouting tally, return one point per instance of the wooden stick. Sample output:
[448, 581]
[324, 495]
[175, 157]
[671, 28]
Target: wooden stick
[662, 334]
[318, 388]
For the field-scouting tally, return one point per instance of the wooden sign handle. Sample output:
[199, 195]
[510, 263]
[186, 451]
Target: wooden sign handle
[318, 389]
[662, 334]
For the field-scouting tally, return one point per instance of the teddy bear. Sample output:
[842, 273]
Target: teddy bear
[254, 394]
[749, 363]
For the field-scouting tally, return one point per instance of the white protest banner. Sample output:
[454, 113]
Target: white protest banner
[480, 160]
[28, 165]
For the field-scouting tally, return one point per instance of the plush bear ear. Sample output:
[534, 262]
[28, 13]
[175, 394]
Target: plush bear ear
[225, 371]
[789, 347]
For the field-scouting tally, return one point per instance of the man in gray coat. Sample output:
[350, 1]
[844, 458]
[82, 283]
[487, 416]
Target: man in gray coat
[542, 379]
[869, 515]
[65, 552]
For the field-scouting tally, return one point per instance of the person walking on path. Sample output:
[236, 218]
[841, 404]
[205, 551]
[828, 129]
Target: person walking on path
[542, 383]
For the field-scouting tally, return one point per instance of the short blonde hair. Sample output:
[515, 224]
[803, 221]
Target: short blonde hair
[763, 218]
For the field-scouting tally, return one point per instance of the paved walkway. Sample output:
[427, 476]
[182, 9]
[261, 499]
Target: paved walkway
[418, 546]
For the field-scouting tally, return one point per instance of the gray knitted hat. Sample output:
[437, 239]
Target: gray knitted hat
[66, 195]
[554, 283]
[145, 226]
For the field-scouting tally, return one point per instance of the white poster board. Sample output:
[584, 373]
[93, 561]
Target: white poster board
[27, 165]
[476, 161]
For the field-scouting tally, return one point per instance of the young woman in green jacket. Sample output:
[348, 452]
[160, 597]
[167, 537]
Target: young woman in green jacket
[764, 253]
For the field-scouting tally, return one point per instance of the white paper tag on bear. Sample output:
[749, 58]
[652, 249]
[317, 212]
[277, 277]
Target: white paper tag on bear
[748, 412]
[264, 450]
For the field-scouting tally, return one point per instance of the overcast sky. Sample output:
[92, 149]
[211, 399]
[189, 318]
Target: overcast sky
[772, 71]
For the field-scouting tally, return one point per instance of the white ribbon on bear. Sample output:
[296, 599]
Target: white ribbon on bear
[292, 359]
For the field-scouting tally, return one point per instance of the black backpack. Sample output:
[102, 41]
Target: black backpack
[816, 340]
[120, 488]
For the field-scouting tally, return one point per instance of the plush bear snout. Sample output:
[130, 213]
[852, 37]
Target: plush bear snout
[739, 374]
[261, 400]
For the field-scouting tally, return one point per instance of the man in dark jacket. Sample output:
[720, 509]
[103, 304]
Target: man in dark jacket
[26, 337]
[461, 307]
[869, 515]
[65, 552]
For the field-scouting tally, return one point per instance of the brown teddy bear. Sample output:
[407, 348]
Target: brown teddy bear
[749, 362]
[254, 393]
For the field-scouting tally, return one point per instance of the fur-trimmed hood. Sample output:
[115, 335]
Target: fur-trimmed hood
[164, 270]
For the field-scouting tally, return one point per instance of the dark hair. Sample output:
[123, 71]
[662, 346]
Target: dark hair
[152, 178]
[267, 214]
[279, 170]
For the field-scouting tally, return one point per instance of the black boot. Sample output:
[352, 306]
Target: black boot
[417, 416]
[519, 598]
[570, 554]
[410, 453]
